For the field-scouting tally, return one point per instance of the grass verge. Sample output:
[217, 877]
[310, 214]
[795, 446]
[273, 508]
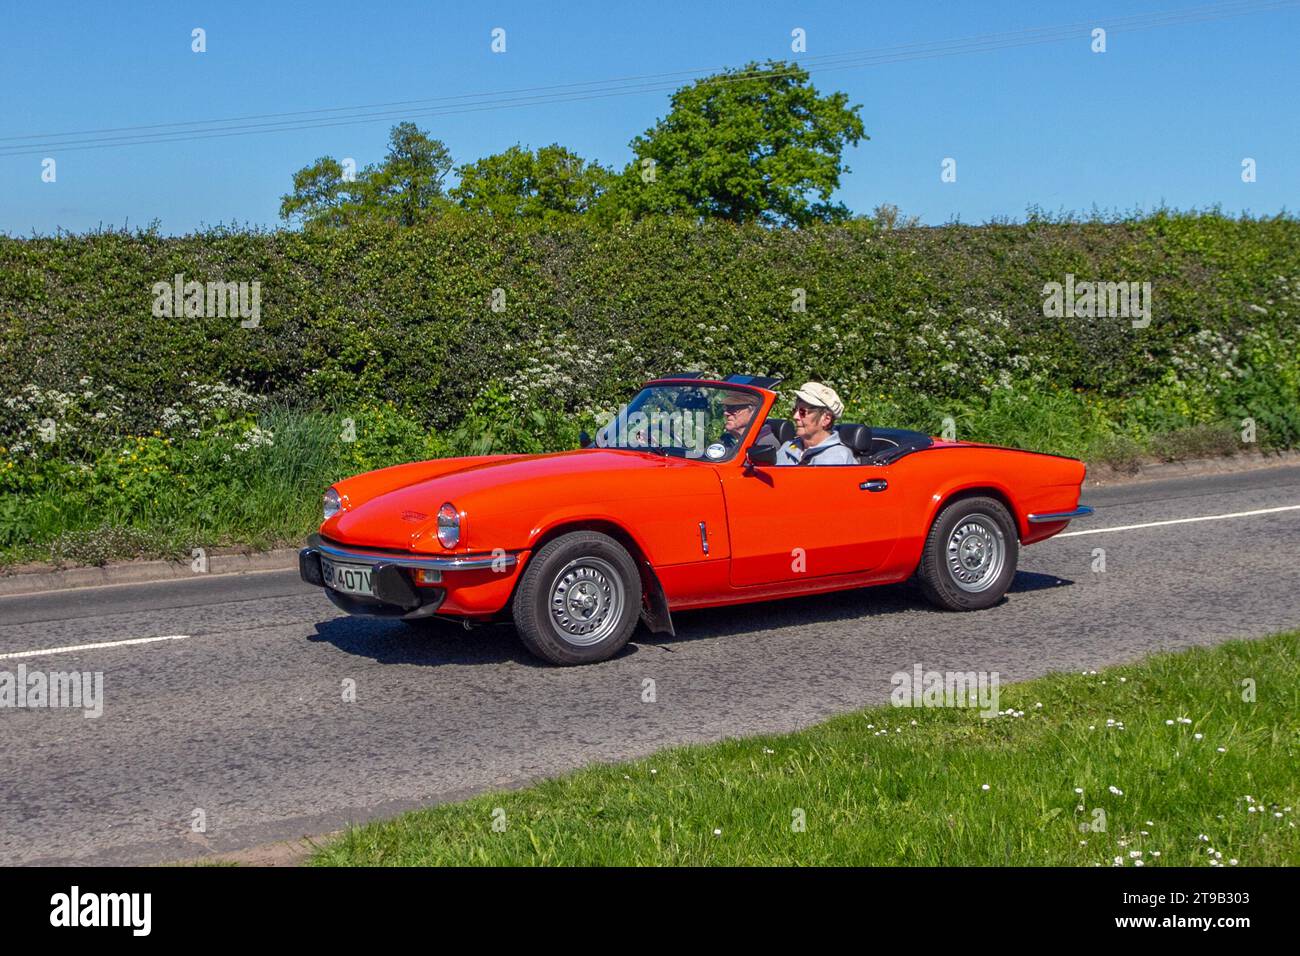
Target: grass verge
[1174, 761]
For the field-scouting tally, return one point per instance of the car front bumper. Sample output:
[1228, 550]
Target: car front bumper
[470, 585]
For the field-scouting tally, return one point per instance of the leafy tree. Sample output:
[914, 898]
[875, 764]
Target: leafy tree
[405, 188]
[319, 193]
[755, 144]
[409, 182]
[550, 183]
[889, 216]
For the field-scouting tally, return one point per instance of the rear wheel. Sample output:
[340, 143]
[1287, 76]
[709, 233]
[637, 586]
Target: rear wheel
[970, 555]
[579, 599]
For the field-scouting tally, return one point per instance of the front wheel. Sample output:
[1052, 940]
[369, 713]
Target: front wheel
[579, 599]
[970, 555]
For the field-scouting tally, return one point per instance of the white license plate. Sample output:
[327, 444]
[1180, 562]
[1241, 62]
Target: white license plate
[348, 578]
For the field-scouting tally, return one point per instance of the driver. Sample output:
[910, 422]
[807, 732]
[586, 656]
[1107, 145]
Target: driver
[738, 409]
[816, 407]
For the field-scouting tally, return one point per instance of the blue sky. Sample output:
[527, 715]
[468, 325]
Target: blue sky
[1165, 115]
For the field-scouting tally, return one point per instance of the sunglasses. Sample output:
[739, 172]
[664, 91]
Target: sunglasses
[735, 409]
[801, 410]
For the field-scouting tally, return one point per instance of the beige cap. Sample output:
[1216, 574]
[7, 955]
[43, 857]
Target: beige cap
[823, 396]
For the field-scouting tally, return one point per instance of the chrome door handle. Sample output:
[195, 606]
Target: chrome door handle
[875, 484]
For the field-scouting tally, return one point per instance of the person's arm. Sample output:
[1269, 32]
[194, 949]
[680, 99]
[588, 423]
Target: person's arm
[788, 454]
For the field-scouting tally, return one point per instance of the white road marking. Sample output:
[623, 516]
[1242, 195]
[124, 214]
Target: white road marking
[1157, 524]
[93, 647]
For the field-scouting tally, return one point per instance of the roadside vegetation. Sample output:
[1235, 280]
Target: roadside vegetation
[1186, 759]
[234, 471]
[143, 436]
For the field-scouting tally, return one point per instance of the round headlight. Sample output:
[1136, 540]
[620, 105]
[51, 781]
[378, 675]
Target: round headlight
[448, 525]
[330, 503]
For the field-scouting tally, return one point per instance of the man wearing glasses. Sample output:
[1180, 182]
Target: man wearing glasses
[817, 443]
[737, 410]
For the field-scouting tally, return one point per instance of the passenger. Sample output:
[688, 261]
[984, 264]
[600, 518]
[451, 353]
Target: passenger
[816, 443]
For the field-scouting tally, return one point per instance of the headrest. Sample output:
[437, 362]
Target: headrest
[782, 429]
[857, 437]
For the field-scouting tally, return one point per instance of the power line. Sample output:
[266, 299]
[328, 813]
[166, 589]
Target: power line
[600, 89]
[1136, 21]
[821, 63]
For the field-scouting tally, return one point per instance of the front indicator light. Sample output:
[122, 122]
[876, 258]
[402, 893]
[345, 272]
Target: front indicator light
[424, 577]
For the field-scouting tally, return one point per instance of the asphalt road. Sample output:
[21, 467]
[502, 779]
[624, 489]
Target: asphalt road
[244, 718]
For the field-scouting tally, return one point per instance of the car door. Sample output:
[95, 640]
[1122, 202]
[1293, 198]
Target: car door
[790, 522]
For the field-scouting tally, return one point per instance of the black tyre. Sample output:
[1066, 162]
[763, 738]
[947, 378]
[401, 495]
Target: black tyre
[970, 555]
[579, 599]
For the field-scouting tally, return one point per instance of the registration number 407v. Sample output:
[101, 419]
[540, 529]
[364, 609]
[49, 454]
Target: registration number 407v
[348, 578]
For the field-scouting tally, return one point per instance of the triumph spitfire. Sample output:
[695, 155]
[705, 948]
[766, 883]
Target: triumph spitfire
[662, 513]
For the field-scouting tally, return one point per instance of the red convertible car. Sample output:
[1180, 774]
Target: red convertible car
[666, 511]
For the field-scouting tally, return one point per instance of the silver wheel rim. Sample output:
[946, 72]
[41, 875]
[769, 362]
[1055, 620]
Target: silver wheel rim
[976, 553]
[586, 601]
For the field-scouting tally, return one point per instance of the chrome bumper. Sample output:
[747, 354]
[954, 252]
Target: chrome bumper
[394, 591]
[355, 555]
[1080, 512]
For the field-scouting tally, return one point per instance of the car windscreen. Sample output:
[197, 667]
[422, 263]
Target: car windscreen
[708, 422]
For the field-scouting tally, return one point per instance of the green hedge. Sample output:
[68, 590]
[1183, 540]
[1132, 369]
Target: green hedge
[949, 315]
